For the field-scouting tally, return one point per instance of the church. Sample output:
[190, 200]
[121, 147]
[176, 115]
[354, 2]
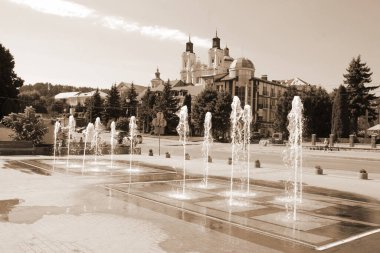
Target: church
[226, 74]
[235, 76]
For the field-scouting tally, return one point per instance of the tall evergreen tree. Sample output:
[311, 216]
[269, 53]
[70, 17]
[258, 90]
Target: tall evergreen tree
[131, 101]
[147, 113]
[9, 83]
[167, 103]
[359, 96]
[94, 106]
[112, 104]
[284, 105]
[340, 118]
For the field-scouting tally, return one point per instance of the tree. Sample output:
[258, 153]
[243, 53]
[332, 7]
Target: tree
[205, 102]
[112, 104]
[359, 96]
[59, 106]
[9, 83]
[220, 119]
[147, 113]
[26, 126]
[131, 101]
[284, 105]
[340, 120]
[317, 111]
[94, 106]
[167, 103]
[219, 104]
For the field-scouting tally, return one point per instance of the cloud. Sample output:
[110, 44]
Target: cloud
[57, 7]
[66, 8]
[158, 32]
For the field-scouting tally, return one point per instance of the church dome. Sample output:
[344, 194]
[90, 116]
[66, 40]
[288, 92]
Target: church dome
[242, 63]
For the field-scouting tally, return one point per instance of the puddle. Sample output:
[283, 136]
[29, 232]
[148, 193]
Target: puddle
[6, 206]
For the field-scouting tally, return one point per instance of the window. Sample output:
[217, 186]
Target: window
[265, 90]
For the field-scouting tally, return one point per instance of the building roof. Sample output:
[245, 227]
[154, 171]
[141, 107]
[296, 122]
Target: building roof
[294, 81]
[193, 90]
[64, 95]
[90, 94]
[242, 63]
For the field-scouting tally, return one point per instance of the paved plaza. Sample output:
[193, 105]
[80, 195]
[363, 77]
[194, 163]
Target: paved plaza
[63, 206]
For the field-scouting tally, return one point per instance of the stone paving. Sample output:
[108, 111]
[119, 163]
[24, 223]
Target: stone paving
[257, 221]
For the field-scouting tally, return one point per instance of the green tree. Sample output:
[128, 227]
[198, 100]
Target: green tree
[112, 104]
[317, 111]
[284, 105]
[94, 106]
[205, 102]
[167, 103]
[9, 83]
[340, 120]
[131, 101]
[220, 119]
[26, 126]
[147, 110]
[359, 96]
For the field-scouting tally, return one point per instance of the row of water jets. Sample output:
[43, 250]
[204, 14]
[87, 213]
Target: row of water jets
[241, 120]
[92, 138]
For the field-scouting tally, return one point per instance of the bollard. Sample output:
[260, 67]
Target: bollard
[351, 140]
[313, 138]
[332, 137]
[373, 141]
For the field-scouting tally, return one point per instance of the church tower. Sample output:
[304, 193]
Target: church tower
[188, 61]
[215, 55]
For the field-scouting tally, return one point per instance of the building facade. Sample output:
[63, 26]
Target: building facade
[236, 77]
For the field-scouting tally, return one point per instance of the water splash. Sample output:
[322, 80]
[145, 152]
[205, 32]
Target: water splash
[247, 120]
[70, 130]
[132, 138]
[236, 138]
[207, 142]
[112, 141]
[95, 142]
[88, 135]
[183, 130]
[292, 158]
[57, 127]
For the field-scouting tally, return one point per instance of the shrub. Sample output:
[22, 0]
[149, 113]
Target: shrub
[26, 126]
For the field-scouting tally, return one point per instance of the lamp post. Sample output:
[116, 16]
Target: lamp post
[159, 122]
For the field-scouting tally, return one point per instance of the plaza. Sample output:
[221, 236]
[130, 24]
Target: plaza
[61, 210]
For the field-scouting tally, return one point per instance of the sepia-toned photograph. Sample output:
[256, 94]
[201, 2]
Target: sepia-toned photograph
[179, 126]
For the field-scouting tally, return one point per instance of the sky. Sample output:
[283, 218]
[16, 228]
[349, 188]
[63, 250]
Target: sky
[98, 43]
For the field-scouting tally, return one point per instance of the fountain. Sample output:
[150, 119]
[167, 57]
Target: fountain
[236, 115]
[293, 158]
[70, 130]
[88, 135]
[183, 130]
[132, 138]
[96, 139]
[247, 120]
[57, 126]
[112, 141]
[207, 141]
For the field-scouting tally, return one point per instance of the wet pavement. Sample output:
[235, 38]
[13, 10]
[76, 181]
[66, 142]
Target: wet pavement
[202, 222]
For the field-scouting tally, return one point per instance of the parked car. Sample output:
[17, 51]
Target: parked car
[255, 137]
[277, 138]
